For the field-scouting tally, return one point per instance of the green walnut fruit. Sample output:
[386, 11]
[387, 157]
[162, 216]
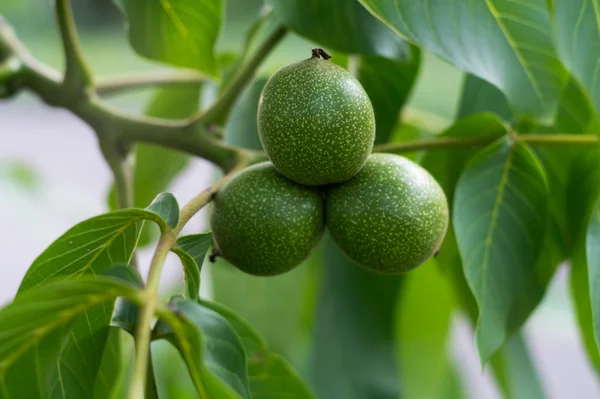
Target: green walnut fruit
[391, 217]
[265, 224]
[316, 122]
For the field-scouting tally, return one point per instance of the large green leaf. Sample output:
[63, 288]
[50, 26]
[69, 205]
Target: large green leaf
[507, 43]
[354, 309]
[512, 366]
[271, 376]
[423, 324]
[388, 84]
[500, 210]
[179, 32]
[578, 37]
[35, 328]
[192, 251]
[156, 167]
[213, 352]
[340, 25]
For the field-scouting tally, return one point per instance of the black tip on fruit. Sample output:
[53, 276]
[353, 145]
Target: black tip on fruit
[214, 255]
[436, 253]
[324, 54]
[319, 52]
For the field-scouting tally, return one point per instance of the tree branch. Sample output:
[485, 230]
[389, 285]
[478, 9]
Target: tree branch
[77, 73]
[219, 111]
[117, 84]
[166, 242]
[192, 138]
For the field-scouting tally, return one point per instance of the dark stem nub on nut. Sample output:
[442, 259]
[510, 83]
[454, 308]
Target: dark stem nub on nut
[214, 255]
[319, 52]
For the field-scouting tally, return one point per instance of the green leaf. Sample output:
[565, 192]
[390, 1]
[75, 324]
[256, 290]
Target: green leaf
[126, 313]
[182, 33]
[510, 358]
[593, 261]
[111, 372]
[192, 251]
[271, 376]
[509, 44]
[172, 377]
[479, 96]
[578, 37]
[167, 207]
[125, 316]
[253, 343]
[354, 309]
[447, 164]
[423, 324]
[388, 84]
[210, 347]
[575, 112]
[262, 300]
[35, 327]
[241, 128]
[340, 25]
[583, 190]
[91, 246]
[500, 211]
[580, 291]
[156, 167]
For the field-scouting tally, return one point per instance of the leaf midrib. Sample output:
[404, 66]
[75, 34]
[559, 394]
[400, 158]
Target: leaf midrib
[515, 48]
[494, 220]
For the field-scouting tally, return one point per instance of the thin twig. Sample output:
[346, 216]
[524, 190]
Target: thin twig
[77, 73]
[116, 84]
[218, 112]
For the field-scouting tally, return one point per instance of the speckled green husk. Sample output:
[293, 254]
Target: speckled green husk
[265, 224]
[391, 217]
[316, 122]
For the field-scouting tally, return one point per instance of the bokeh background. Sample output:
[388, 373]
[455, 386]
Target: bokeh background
[52, 176]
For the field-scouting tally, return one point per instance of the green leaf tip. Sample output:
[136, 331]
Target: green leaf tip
[167, 207]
